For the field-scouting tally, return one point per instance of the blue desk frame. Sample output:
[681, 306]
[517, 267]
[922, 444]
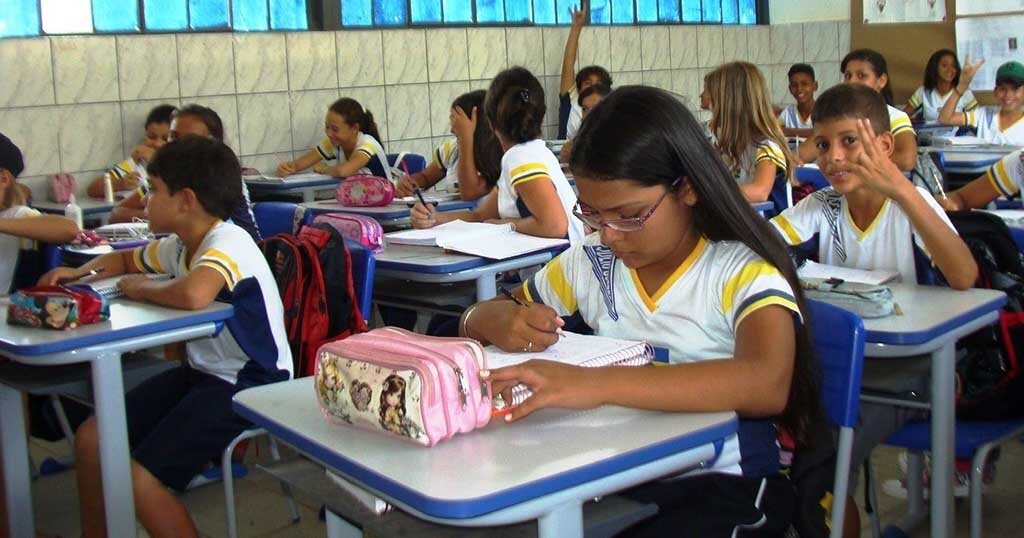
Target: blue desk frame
[305, 187]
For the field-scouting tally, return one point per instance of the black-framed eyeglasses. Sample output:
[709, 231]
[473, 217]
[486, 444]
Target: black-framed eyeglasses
[631, 224]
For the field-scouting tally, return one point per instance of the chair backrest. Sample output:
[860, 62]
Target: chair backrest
[811, 175]
[414, 162]
[363, 266]
[32, 264]
[273, 218]
[782, 194]
[838, 339]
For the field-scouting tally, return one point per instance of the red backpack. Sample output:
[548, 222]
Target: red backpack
[313, 271]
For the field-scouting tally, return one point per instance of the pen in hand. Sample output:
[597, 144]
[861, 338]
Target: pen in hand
[88, 274]
[520, 302]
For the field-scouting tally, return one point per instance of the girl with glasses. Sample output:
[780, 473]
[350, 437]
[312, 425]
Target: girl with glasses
[681, 261]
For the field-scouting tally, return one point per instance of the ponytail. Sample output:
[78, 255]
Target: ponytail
[353, 112]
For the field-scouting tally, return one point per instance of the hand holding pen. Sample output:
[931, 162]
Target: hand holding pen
[422, 214]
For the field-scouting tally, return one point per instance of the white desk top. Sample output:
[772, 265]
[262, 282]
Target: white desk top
[930, 312]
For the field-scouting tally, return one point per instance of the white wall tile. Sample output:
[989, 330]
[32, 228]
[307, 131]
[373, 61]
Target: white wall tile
[734, 44]
[687, 83]
[226, 106]
[554, 48]
[90, 136]
[147, 67]
[709, 46]
[312, 60]
[759, 43]
[266, 163]
[844, 38]
[778, 82]
[525, 48]
[683, 41]
[821, 41]
[625, 43]
[27, 72]
[408, 111]
[447, 54]
[787, 43]
[441, 96]
[479, 84]
[360, 58]
[623, 78]
[594, 48]
[85, 69]
[206, 64]
[487, 52]
[261, 63]
[405, 56]
[133, 119]
[654, 47]
[827, 74]
[373, 100]
[659, 79]
[419, 146]
[264, 124]
[308, 110]
[35, 132]
[551, 85]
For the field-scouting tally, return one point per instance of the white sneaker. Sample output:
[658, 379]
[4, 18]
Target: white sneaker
[961, 487]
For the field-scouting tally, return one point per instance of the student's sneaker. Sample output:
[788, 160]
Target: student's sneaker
[961, 486]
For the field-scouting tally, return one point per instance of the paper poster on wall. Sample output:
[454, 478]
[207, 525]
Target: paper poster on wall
[995, 39]
[982, 7]
[898, 11]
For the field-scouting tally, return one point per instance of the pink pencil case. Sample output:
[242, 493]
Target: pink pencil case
[421, 388]
[365, 191]
[359, 228]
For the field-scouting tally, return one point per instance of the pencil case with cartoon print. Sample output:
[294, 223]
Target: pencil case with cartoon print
[421, 388]
[57, 307]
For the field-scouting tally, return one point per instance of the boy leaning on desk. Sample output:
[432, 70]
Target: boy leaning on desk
[180, 420]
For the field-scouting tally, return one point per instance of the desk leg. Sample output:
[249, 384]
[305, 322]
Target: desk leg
[337, 527]
[943, 424]
[486, 287]
[14, 454]
[115, 458]
[565, 521]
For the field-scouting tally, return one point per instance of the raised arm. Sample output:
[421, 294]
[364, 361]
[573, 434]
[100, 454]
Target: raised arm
[579, 19]
[948, 114]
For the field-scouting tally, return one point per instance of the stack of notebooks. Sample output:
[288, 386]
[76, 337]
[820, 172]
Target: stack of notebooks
[124, 231]
[495, 241]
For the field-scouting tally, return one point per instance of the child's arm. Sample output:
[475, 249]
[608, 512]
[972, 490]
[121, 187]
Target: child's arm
[420, 180]
[129, 209]
[45, 228]
[948, 114]
[352, 165]
[579, 18]
[566, 153]
[976, 194]
[764, 179]
[115, 263]
[472, 185]
[308, 159]
[96, 189]
[428, 217]
[947, 250]
[193, 291]
[547, 216]
[905, 152]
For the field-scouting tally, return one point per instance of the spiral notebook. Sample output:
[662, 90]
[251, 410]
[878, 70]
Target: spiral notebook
[107, 287]
[578, 350]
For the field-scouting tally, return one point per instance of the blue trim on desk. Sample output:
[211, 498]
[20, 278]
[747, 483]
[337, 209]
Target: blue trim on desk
[85, 210]
[72, 343]
[290, 185]
[920, 337]
[456, 266]
[470, 508]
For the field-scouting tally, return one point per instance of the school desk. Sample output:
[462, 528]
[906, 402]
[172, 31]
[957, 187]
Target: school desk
[933, 319]
[307, 188]
[92, 209]
[543, 467]
[132, 326]
[395, 214]
[970, 159]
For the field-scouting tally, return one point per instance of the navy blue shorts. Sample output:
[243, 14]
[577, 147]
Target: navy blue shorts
[179, 421]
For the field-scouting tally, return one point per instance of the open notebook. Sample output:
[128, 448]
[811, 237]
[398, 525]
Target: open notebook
[107, 287]
[495, 241]
[429, 197]
[308, 176]
[578, 350]
[811, 269]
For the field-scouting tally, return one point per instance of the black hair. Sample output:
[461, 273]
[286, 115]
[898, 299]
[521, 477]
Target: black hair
[515, 105]
[353, 112]
[160, 114]
[801, 68]
[852, 101]
[878, 65]
[646, 135]
[931, 71]
[590, 71]
[600, 89]
[206, 166]
[205, 115]
[487, 150]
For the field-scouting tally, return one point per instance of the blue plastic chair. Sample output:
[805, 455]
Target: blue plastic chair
[782, 194]
[838, 339]
[364, 264]
[414, 162]
[812, 176]
[273, 218]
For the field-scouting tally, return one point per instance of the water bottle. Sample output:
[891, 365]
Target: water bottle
[73, 212]
[108, 188]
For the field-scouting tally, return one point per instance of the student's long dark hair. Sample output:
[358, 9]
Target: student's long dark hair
[353, 112]
[515, 105]
[878, 64]
[486, 148]
[645, 134]
[931, 71]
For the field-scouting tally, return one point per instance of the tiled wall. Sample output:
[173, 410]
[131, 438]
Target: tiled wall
[76, 104]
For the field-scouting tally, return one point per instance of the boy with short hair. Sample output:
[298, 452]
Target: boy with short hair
[570, 113]
[796, 118]
[180, 420]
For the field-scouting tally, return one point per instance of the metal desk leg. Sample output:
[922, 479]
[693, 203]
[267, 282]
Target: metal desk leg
[115, 458]
[565, 521]
[337, 527]
[486, 287]
[14, 453]
[943, 420]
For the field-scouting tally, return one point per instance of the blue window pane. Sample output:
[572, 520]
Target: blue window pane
[647, 10]
[288, 15]
[425, 11]
[600, 12]
[668, 10]
[712, 11]
[563, 10]
[458, 10]
[518, 11]
[249, 15]
[691, 11]
[356, 13]
[115, 15]
[166, 15]
[748, 12]
[206, 14]
[490, 11]
[389, 12]
[544, 11]
[622, 12]
[19, 18]
[730, 14]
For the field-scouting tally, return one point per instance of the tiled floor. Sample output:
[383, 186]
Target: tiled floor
[263, 512]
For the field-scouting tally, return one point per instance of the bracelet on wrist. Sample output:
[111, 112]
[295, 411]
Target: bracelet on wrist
[464, 321]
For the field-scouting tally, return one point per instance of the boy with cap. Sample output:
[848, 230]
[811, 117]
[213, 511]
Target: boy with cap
[996, 124]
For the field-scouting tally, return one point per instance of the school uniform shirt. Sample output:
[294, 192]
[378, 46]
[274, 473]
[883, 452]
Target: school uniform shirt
[928, 103]
[124, 168]
[11, 244]
[570, 114]
[253, 349]
[366, 144]
[694, 315]
[446, 157]
[533, 161]
[765, 150]
[889, 242]
[1007, 175]
[986, 120]
[792, 119]
[899, 122]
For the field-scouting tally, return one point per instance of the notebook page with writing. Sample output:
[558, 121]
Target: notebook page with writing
[811, 269]
[446, 233]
